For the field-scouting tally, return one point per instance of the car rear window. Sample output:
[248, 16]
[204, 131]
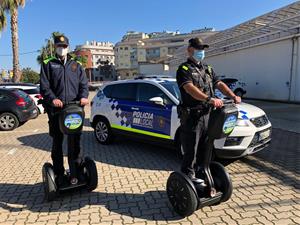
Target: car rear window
[5, 97]
[107, 91]
[32, 91]
[124, 91]
[23, 95]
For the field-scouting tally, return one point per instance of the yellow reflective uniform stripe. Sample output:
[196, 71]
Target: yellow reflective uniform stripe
[209, 69]
[185, 68]
[48, 60]
[140, 131]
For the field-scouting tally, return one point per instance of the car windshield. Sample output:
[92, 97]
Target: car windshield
[172, 87]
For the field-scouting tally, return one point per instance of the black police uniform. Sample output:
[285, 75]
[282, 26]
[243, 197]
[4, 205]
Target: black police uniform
[67, 82]
[194, 114]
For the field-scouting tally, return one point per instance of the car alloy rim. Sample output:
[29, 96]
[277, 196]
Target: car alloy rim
[101, 131]
[7, 122]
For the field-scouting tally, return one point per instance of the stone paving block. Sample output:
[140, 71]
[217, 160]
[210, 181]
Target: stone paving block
[132, 183]
[247, 221]
[211, 220]
[263, 220]
[283, 221]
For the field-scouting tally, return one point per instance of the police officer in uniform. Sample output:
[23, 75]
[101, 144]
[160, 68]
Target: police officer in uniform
[62, 80]
[196, 82]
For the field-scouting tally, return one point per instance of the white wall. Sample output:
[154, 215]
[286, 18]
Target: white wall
[153, 69]
[266, 69]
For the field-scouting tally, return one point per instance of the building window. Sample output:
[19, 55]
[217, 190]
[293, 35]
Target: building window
[126, 48]
[121, 48]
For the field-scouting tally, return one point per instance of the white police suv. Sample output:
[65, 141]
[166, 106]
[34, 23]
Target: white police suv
[146, 108]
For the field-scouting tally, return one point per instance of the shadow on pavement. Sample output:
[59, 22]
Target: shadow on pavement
[123, 153]
[152, 205]
[281, 159]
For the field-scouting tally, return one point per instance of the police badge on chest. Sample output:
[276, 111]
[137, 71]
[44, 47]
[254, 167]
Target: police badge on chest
[74, 67]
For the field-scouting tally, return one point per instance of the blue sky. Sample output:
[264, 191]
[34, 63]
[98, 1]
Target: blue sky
[109, 20]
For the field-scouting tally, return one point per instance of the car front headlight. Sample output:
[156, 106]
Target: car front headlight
[242, 123]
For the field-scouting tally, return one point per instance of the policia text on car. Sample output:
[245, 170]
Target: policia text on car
[196, 82]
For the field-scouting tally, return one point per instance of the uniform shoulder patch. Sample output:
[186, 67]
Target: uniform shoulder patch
[74, 67]
[80, 63]
[46, 61]
[209, 68]
[185, 67]
[76, 60]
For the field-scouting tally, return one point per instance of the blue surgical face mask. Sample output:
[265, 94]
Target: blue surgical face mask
[199, 55]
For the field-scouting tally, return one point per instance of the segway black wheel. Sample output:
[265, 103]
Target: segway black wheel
[91, 174]
[50, 187]
[181, 195]
[222, 180]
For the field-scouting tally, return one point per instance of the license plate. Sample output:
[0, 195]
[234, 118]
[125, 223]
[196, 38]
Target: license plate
[265, 134]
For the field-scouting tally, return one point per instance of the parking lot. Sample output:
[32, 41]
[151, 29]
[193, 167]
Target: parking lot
[132, 181]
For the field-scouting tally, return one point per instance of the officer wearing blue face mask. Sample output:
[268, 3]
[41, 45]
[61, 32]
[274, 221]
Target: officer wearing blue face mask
[197, 82]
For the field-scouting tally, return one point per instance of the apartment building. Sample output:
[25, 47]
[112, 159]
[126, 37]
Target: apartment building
[138, 51]
[99, 54]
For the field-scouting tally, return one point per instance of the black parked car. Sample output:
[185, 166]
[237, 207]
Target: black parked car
[16, 107]
[236, 86]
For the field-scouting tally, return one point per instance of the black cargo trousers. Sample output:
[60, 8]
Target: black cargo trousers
[74, 152]
[194, 139]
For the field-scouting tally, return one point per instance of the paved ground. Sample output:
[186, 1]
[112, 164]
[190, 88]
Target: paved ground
[132, 182]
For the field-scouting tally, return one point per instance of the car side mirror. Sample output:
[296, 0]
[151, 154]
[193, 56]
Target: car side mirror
[157, 101]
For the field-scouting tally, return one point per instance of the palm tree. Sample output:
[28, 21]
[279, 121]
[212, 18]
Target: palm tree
[48, 50]
[11, 7]
[2, 19]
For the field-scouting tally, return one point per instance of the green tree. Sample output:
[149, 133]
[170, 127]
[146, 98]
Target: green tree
[11, 7]
[48, 49]
[2, 19]
[81, 59]
[30, 76]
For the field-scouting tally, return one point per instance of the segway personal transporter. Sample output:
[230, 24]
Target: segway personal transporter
[71, 119]
[187, 196]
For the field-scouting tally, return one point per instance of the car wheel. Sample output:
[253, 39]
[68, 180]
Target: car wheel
[8, 121]
[239, 92]
[103, 132]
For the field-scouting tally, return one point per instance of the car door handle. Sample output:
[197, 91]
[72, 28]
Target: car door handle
[134, 108]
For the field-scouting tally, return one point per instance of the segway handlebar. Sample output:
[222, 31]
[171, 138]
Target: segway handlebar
[227, 101]
[71, 103]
